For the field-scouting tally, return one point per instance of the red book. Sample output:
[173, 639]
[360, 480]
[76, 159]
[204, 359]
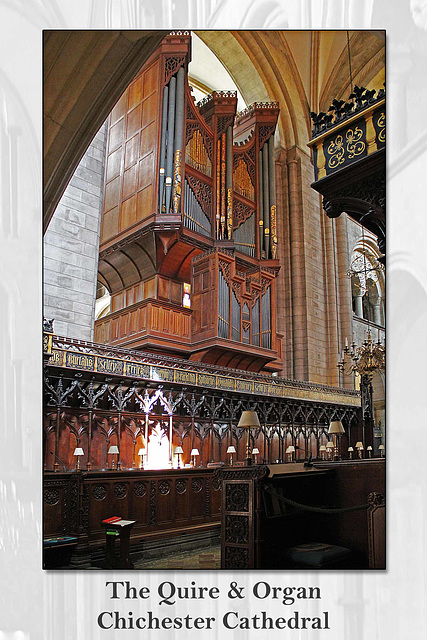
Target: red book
[113, 519]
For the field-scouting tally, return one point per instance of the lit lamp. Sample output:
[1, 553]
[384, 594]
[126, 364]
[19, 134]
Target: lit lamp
[359, 446]
[336, 429]
[230, 451]
[255, 452]
[78, 451]
[322, 450]
[381, 450]
[178, 452]
[290, 451]
[350, 453]
[329, 447]
[247, 420]
[194, 453]
[113, 450]
[141, 453]
[369, 450]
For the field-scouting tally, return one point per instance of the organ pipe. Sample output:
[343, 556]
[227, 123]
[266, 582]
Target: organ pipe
[218, 191]
[163, 146]
[266, 200]
[229, 181]
[261, 206]
[223, 185]
[170, 149]
[272, 183]
[178, 139]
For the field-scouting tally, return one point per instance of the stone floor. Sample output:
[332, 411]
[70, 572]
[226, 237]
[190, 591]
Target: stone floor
[207, 558]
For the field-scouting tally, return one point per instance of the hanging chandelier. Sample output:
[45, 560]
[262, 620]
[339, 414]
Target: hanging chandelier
[363, 359]
[368, 357]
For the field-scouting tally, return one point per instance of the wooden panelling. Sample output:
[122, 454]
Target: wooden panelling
[128, 213]
[159, 501]
[131, 151]
[132, 137]
[163, 323]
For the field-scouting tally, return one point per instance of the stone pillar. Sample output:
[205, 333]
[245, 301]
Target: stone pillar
[71, 247]
[284, 285]
[310, 324]
[345, 311]
[298, 275]
[377, 311]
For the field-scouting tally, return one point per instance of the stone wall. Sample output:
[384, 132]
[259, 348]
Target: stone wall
[71, 246]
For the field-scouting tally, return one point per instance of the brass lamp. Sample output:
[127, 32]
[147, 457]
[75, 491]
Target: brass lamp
[322, 450]
[194, 453]
[329, 447]
[113, 450]
[350, 453]
[381, 450]
[141, 453]
[248, 419]
[230, 451]
[290, 451]
[359, 446]
[78, 451]
[369, 450]
[255, 452]
[178, 452]
[336, 429]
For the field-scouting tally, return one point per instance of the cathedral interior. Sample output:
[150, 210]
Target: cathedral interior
[214, 299]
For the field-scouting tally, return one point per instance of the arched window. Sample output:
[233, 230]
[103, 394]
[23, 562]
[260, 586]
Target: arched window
[367, 286]
[103, 301]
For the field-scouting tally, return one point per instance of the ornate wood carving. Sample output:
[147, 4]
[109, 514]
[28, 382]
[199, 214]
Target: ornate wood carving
[237, 497]
[181, 486]
[120, 490]
[99, 492]
[237, 529]
[164, 487]
[172, 64]
[51, 496]
[140, 489]
[203, 193]
[237, 558]
[241, 212]
[196, 485]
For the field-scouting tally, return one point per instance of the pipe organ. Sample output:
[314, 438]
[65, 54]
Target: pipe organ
[189, 227]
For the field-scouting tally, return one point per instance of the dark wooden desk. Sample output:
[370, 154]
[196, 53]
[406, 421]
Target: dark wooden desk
[120, 529]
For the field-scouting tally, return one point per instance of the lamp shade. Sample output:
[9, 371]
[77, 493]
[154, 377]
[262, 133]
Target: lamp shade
[330, 445]
[249, 419]
[255, 450]
[231, 449]
[322, 447]
[369, 448]
[78, 451]
[194, 452]
[336, 427]
[178, 450]
[359, 445]
[141, 452]
[290, 449]
[113, 449]
[350, 449]
[381, 447]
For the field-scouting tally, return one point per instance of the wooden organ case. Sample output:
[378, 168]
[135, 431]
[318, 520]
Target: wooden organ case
[189, 230]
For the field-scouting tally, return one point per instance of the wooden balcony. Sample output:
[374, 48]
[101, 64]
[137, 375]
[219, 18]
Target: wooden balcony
[146, 323]
[349, 159]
